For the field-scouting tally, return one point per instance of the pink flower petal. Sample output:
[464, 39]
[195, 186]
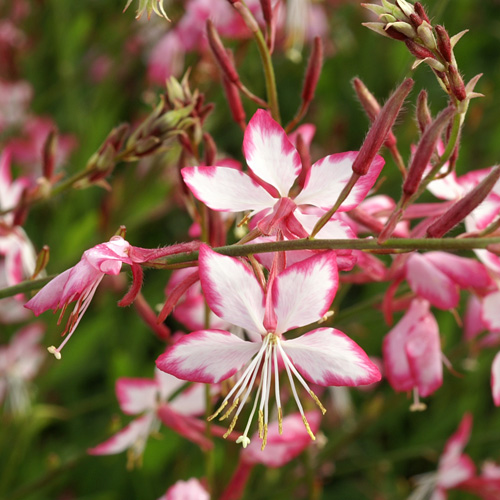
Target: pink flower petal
[136, 395]
[466, 273]
[231, 290]
[282, 448]
[328, 176]
[426, 280]
[303, 292]
[495, 379]
[326, 357]
[424, 356]
[207, 356]
[270, 154]
[491, 311]
[137, 430]
[227, 189]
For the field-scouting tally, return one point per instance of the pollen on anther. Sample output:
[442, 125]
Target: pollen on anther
[221, 407]
[230, 409]
[309, 431]
[231, 427]
[318, 402]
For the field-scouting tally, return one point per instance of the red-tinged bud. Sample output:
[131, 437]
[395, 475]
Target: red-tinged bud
[313, 70]
[220, 53]
[184, 141]
[464, 206]
[42, 259]
[234, 101]
[416, 20]
[267, 11]
[149, 317]
[49, 155]
[444, 43]
[424, 117]
[371, 107]
[456, 83]
[247, 17]
[135, 288]
[419, 9]
[176, 294]
[394, 33]
[210, 149]
[424, 151]
[418, 51]
[380, 128]
[122, 231]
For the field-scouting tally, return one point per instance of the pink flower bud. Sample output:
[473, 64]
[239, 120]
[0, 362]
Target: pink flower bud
[234, 101]
[49, 155]
[421, 12]
[424, 117]
[210, 149]
[418, 51]
[424, 151]
[313, 70]
[220, 53]
[380, 128]
[456, 83]
[267, 11]
[444, 43]
[464, 206]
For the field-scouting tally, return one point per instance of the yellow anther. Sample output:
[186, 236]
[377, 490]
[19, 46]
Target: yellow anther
[318, 402]
[230, 409]
[264, 438]
[261, 424]
[231, 427]
[280, 421]
[308, 429]
[221, 407]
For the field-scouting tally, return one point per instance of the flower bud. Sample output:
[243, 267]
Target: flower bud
[421, 12]
[464, 206]
[313, 70]
[404, 28]
[424, 117]
[418, 51]
[210, 149]
[406, 7]
[220, 54]
[424, 151]
[380, 128]
[234, 101]
[444, 43]
[424, 31]
[267, 11]
[42, 259]
[456, 83]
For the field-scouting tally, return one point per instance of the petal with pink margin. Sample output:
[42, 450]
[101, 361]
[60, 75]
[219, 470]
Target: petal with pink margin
[426, 280]
[227, 189]
[328, 177]
[270, 154]
[138, 429]
[424, 355]
[231, 290]
[303, 292]
[491, 311]
[136, 395]
[327, 356]
[207, 356]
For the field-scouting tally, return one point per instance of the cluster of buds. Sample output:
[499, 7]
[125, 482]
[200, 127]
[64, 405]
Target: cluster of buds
[430, 44]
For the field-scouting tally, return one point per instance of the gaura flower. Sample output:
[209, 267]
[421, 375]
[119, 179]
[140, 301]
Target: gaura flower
[267, 192]
[412, 353]
[148, 399]
[79, 284]
[297, 296]
[191, 489]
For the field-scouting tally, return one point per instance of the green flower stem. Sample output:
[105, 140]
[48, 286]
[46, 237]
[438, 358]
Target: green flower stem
[272, 94]
[25, 286]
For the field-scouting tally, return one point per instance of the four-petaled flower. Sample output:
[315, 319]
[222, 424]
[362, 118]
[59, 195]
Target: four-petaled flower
[268, 193]
[299, 295]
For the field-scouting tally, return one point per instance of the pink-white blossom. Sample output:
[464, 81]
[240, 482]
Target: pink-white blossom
[268, 193]
[412, 352]
[186, 490]
[299, 295]
[149, 398]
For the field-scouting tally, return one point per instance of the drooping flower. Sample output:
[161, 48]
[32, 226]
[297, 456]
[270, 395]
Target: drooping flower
[268, 193]
[412, 353]
[80, 282]
[149, 398]
[299, 295]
